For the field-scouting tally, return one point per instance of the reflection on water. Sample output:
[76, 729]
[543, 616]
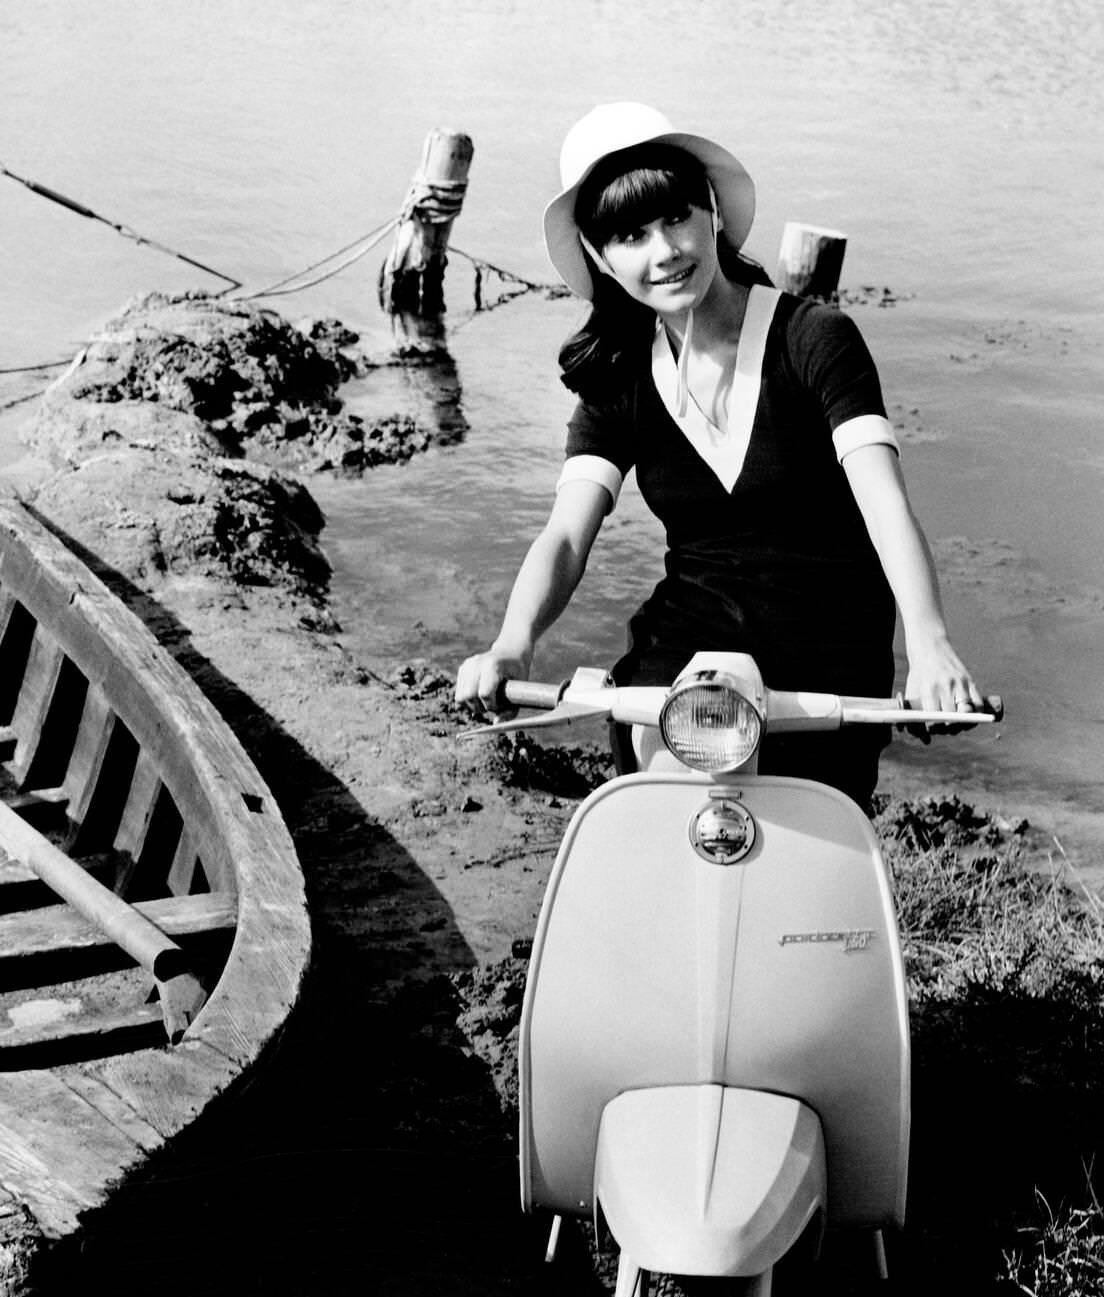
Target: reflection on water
[433, 381]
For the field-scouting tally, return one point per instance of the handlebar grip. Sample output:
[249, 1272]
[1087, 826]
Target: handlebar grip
[529, 693]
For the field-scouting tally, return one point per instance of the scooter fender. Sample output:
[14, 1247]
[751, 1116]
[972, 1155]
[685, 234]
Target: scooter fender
[709, 1180]
[781, 972]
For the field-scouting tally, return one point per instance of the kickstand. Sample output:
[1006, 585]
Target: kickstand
[553, 1240]
[880, 1255]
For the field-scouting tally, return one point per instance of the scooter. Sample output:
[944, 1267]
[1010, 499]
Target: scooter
[714, 1047]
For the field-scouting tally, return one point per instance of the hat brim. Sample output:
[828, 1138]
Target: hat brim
[733, 187]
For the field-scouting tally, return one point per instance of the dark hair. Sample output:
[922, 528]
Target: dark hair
[625, 191]
[635, 186]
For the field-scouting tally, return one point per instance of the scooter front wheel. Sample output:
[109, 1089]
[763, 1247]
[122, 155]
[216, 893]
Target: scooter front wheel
[632, 1281]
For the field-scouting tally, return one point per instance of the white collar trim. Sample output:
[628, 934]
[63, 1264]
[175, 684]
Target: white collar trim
[724, 450]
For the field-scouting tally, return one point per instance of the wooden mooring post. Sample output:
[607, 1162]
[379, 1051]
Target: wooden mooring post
[412, 278]
[810, 260]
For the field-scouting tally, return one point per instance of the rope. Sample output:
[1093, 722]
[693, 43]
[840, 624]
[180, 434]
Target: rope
[433, 202]
[279, 290]
[507, 276]
[32, 369]
[125, 230]
[21, 400]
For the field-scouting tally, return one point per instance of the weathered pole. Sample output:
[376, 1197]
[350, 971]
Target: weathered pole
[412, 278]
[810, 260]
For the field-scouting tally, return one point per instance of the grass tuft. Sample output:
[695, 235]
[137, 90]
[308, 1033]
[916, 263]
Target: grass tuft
[1005, 968]
[1064, 1256]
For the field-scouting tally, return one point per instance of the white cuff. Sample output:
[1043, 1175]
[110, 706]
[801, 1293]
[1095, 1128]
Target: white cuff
[592, 468]
[864, 430]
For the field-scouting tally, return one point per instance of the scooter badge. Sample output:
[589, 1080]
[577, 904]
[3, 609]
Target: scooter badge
[722, 831]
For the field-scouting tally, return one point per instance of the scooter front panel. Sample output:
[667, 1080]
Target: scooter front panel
[653, 966]
[708, 1179]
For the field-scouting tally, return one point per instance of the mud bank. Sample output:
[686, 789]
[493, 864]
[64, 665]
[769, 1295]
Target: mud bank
[373, 1153]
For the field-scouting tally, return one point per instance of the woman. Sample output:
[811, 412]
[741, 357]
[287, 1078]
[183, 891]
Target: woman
[756, 425]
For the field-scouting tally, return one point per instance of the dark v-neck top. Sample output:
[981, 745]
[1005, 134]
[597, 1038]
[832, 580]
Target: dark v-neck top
[781, 566]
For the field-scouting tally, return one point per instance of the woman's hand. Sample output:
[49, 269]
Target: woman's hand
[552, 568]
[939, 681]
[937, 678]
[480, 678]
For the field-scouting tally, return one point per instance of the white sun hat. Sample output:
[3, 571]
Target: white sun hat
[608, 129]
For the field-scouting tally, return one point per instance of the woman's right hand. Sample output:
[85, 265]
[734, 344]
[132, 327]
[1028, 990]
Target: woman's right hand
[546, 580]
[480, 678]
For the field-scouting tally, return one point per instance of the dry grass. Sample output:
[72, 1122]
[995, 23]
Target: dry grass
[1004, 954]
[1064, 1256]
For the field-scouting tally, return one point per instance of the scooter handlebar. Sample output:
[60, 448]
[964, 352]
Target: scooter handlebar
[904, 711]
[530, 693]
[785, 711]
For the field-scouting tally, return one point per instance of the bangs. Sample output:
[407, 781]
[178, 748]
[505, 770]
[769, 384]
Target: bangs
[630, 189]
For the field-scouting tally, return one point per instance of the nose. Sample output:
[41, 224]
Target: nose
[665, 244]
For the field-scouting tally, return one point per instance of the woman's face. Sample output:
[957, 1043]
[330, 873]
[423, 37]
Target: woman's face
[667, 264]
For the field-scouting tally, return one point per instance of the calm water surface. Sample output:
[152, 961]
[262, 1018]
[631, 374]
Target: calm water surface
[957, 146]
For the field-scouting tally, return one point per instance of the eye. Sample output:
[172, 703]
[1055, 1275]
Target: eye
[629, 236]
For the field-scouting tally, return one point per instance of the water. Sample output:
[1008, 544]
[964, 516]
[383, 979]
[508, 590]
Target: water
[957, 146]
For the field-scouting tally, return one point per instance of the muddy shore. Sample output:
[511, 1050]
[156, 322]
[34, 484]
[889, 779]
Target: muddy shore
[372, 1152]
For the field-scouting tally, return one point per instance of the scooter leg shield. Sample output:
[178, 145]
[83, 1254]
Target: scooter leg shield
[709, 1179]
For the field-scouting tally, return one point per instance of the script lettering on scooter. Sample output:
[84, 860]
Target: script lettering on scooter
[851, 939]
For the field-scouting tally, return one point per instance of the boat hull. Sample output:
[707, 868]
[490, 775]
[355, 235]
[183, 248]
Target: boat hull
[116, 762]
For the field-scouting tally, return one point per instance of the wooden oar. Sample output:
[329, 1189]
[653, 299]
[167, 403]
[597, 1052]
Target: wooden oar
[180, 991]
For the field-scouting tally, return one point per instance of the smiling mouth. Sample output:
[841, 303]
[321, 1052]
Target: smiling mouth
[676, 278]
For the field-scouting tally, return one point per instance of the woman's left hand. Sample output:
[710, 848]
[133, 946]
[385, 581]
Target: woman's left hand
[939, 681]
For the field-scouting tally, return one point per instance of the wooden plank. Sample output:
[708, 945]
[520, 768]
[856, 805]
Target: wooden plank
[107, 1103]
[183, 868]
[138, 811]
[59, 1152]
[101, 1033]
[169, 1087]
[43, 669]
[59, 927]
[7, 603]
[93, 733]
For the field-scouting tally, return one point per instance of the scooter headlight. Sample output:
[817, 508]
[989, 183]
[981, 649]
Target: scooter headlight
[708, 724]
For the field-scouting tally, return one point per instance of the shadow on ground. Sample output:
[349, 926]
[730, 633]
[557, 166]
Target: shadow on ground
[367, 1152]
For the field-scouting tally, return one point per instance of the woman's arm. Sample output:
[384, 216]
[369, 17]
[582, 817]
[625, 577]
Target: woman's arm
[546, 580]
[936, 675]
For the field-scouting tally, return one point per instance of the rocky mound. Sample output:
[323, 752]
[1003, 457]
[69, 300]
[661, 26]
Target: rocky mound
[215, 376]
[173, 433]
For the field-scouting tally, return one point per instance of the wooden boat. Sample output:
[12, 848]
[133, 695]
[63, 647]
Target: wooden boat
[182, 939]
